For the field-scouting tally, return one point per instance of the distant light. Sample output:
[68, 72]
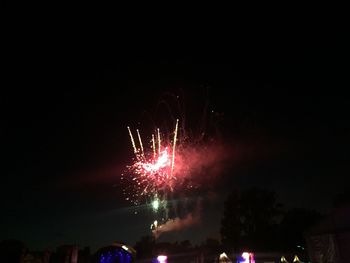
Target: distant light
[247, 257]
[162, 259]
[224, 258]
[283, 259]
[223, 255]
[154, 225]
[296, 259]
[155, 204]
[125, 247]
[300, 247]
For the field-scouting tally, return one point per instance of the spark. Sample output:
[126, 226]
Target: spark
[138, 135]
[158, 140]
[174, 145]
[132, 141]
[153, 146]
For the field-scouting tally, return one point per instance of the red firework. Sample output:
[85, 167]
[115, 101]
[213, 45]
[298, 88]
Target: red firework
[154, 171]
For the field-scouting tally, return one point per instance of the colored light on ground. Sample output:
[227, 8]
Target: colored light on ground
[162, 259]
[223, 255]
[247, 257]
[224, 258]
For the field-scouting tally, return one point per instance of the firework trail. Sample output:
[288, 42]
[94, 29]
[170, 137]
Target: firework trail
[138, 135]
[158, 140]
[174, 146]
[132, 141]
[153, 146]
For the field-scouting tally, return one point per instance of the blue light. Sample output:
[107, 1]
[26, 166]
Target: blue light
[116, 256]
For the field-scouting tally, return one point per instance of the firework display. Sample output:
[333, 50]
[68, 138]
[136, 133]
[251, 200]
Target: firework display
[170, 164]
[153, 171]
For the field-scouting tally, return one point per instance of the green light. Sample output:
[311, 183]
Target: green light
[155, 204]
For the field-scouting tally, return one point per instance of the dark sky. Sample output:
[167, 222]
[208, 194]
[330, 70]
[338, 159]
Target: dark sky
[65, 109]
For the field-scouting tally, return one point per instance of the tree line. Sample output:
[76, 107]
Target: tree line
[252, 220]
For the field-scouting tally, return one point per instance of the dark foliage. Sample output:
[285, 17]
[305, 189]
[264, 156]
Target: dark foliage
[253, 219]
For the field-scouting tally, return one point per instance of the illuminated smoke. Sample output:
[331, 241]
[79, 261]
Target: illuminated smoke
[176, 224]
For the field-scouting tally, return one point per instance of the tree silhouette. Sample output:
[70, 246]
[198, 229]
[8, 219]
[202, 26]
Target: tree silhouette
[231, 227]
[185, 245]
[293, 225]
[12, 250]
[145, 247]
[250, 218]
[342, 199]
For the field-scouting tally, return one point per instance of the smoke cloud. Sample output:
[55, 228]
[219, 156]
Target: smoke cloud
[177, 224]
[202, 163]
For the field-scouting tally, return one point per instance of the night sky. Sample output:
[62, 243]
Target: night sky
[64, 139]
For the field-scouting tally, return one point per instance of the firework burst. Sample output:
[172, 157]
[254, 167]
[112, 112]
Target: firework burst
[153, 170]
